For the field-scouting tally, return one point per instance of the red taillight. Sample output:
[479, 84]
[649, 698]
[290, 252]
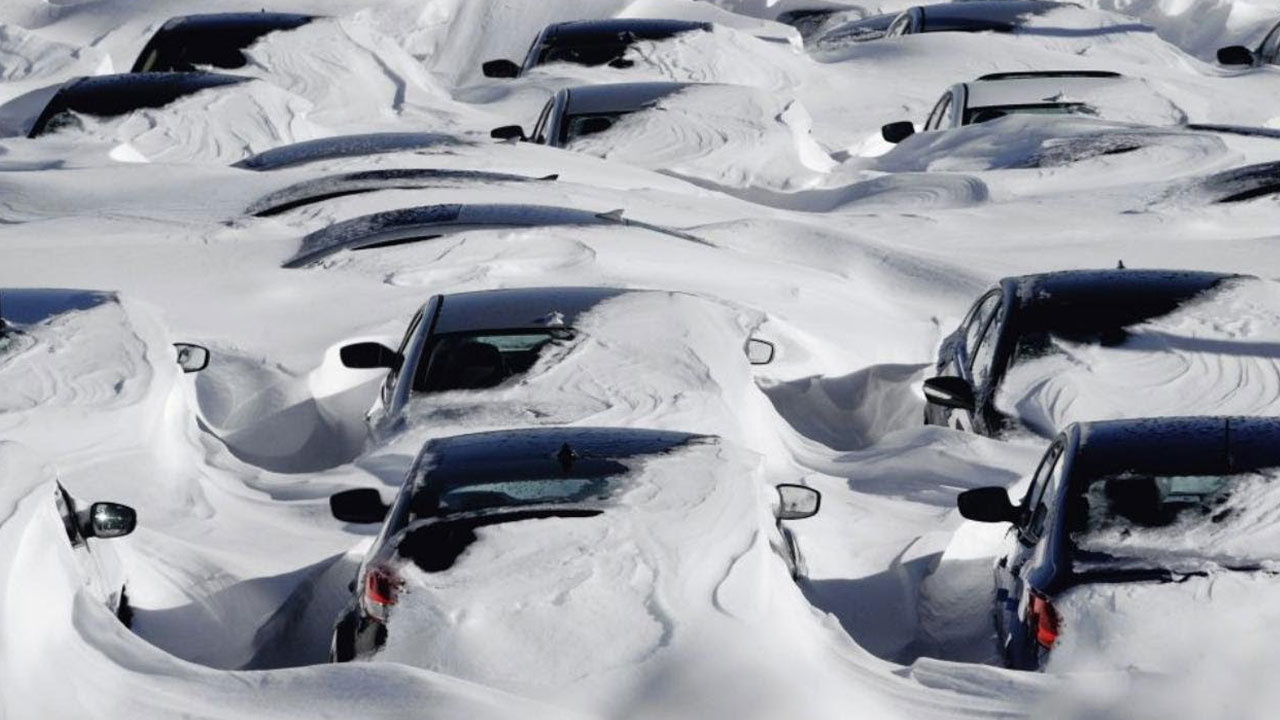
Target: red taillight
[1042, 618]
[381, 590]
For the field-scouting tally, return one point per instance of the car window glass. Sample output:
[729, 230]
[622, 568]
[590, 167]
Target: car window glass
[1267, 51]
[474, 361]
[899, 26]
[981, 359]
[978, 317]
[577, 126]
[540, 129]
[939, 114]
[1039, 508]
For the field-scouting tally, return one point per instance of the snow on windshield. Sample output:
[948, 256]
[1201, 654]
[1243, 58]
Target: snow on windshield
[1181, 522]
[1216, 355]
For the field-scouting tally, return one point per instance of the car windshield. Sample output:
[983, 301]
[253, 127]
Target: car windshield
[513, 493]
[1173, 521]
[475, 361]
[591, 53]
[973, 116]
[577, 126]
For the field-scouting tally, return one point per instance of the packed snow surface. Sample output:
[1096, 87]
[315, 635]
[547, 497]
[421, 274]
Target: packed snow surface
[787, 218]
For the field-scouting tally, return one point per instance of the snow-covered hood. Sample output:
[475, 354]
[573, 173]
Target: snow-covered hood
[580, 607]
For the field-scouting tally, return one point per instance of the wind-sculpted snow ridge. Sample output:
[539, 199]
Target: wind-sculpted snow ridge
[1215, 356]
[730, 136]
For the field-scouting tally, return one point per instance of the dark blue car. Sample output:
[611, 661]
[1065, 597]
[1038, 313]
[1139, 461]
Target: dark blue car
[1114, 479]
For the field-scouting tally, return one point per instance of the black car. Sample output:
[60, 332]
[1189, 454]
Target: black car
[1020, 318]
[463, 484]
[1267, 52]
[830, 28]
[344, 146]
[590, 42]
[110, 95]
[574, 112]
[1098, 489]
[191, 42]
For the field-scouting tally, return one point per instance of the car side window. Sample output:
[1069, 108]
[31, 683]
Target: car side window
[1270, 44]
[539, 134]
[389, 385]
[899, 26]
[939, 113]
[977, 320]
[984, 354]
[1033, 504]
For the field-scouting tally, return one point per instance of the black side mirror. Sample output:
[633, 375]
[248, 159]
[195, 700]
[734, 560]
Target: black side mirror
[361, 506]
[508, 132]
[500, 69]
[949, 392]
[797, 502]
[988, 504]
[759, 352]
[896, 132]
[192, 358]
[367, 355]
[1235, 55]
[109, 520]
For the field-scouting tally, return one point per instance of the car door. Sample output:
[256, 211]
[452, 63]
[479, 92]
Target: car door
[98, 579]
[397, 386]
[1022, 544]
[982, 375]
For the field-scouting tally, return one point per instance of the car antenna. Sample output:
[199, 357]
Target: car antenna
[567, 457]
[1120, 265]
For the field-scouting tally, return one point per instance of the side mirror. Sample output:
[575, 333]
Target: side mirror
[508, 132]
[949, 392]
[500, 69]
[192, 358]
[988, 504]
[368, 355]
[896, 132]
[1235, 55]
[361, 506]
[109, 520]
[797, 502]
[759, 352]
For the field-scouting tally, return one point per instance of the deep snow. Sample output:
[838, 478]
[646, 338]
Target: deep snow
[855, 257]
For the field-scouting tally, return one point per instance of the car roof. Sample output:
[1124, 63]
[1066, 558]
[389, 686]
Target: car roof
[108, 95]
[531, 453]
[1175, 446]
[1118, 285]
[260, 22]
[609, 29]
[1039, 90]
[537, 308]
[341, 146]
[393, 226]
[982, 14]
[328, 187]
[618, 97]
[27, 306]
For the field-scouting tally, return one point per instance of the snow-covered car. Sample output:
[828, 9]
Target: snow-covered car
[343, 146]
[481, 340]
[505, 522]
[590, 42]
[580, 111]
[314, 190]
[1267, 52]
[428, 222]
[192, 42]
[835, 27]
[111, 95]
[1037, 351]
[1121, 512]
[99, 566]
[1094, 93]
